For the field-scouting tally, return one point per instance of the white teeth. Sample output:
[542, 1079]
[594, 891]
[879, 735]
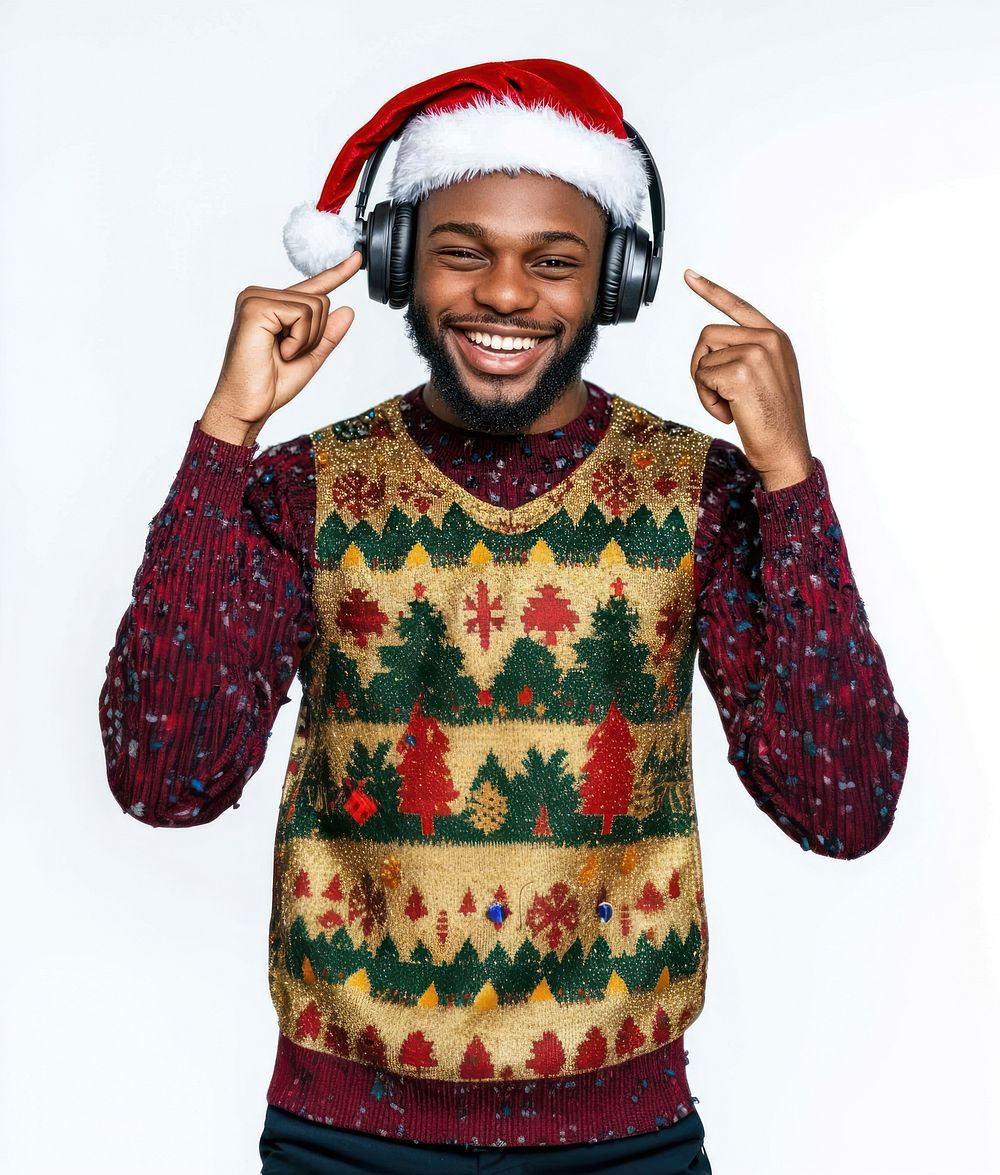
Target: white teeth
[501, 342]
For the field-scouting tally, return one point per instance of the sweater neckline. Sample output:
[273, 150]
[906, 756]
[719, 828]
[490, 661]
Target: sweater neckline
[507, 444]
[506, 519]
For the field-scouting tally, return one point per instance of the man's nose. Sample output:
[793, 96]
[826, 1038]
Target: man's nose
[505, 287]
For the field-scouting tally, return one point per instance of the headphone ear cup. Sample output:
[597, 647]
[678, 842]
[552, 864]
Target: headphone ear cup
[402, 237]
[388, 250]
[376, 250]
[612, 267]
[627, 264]
[635, 274]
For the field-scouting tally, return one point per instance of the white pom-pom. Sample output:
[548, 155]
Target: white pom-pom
[316, 240]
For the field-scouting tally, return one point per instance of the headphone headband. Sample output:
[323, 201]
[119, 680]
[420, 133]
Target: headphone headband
[371, 166]
[655, 187]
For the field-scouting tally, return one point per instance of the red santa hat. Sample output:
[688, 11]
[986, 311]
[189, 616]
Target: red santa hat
[535, 115]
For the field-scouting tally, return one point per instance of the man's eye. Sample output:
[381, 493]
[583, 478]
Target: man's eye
[546, 261]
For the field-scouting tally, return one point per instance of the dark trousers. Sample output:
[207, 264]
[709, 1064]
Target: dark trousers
[290, 1145]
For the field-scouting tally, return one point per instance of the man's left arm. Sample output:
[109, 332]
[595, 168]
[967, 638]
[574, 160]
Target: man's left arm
[815, 732]
[785, 647]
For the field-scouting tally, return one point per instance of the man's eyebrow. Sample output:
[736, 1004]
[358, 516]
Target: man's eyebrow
[542, 237]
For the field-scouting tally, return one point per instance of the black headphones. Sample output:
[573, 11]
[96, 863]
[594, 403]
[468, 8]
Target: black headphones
[630, 268]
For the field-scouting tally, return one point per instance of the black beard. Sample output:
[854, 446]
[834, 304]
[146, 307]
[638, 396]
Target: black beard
[500, 417]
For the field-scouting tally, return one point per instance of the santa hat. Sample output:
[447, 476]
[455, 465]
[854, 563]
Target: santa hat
[535, 115]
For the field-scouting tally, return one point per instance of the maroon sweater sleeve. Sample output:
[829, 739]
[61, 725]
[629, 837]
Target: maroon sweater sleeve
[219, 620]
[814, 730]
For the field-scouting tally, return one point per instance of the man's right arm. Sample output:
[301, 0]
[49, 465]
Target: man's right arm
[220, 617]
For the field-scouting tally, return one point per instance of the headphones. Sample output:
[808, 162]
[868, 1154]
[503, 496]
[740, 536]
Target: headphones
[630, 267]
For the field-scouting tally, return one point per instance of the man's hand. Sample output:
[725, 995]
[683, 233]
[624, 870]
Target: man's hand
[748, 374]
[279, 340]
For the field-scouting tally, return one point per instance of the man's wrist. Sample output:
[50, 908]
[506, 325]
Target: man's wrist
[227, 428]
[780, 479]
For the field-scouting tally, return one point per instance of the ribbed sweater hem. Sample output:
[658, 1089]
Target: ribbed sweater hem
[645, 1094]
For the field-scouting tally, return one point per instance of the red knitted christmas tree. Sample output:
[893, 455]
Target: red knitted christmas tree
[607, 788]
[427, 786]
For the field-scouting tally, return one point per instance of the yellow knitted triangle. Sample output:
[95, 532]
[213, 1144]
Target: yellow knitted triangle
[480, 554]
[359, 980]
[352, 557]
[487, 998]
[429, 999]
[541, 992]
[612, 555]
[616, 985]
[664, 980]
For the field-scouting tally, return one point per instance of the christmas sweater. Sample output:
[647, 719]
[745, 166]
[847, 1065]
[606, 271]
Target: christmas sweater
[594, 803]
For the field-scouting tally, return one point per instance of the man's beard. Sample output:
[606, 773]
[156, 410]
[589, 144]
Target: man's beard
[500, 416]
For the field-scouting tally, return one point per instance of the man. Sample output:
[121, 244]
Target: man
[488, 932]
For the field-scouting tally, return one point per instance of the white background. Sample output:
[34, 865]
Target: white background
[834, 165]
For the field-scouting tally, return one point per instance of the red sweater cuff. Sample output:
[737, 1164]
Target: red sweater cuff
[227, 463]
[790, 514]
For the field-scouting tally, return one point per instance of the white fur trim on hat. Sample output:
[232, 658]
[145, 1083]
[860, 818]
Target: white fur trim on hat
[441, 148]
[316, 240]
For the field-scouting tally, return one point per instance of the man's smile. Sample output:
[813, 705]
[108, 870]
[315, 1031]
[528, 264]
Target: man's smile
[517, 351]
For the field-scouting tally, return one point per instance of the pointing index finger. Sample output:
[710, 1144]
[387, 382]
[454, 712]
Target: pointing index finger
[738, 309]
[328, 279]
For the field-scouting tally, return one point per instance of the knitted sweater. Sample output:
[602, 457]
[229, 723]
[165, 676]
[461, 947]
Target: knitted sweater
[598, 1060]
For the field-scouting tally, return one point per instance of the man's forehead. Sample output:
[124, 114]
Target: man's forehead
[499, 204]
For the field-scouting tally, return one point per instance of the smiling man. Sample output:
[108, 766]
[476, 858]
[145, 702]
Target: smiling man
[489, 932]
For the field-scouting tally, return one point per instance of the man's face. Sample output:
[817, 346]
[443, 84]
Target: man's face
[505, 255]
